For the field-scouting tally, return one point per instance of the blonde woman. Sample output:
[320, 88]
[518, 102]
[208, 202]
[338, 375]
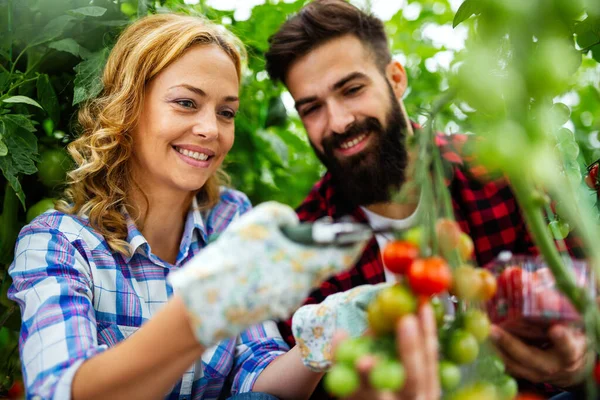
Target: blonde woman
[100, 320]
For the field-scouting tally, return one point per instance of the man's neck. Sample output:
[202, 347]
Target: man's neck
[393, 210]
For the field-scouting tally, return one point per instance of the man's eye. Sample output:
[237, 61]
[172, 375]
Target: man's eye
[309, 110]
[186, 103]
[354, 89]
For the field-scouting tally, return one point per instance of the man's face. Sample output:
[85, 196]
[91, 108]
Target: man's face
[352, 115]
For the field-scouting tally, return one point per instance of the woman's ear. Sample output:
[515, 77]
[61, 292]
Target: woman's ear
[396, 76]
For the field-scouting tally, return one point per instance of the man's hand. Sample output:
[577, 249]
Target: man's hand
[563, 364]
[417, 345]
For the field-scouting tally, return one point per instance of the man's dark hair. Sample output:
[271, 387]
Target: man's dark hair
[317, 23]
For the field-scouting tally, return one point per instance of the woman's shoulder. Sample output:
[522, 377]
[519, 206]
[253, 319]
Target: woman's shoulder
[231, 198]
[58, 223]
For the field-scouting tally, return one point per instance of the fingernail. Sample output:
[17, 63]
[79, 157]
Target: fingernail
[495, 333]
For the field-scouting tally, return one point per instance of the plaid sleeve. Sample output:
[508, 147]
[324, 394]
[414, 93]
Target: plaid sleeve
[256, 348]
[52, 285]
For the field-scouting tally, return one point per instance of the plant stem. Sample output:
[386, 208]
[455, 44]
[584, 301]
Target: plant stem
[564, 278]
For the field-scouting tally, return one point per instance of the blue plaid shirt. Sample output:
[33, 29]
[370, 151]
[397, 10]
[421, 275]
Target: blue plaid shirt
[78, 298]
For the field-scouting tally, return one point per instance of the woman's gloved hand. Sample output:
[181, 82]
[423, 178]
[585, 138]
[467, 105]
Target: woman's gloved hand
[314, 325]
[253, 273]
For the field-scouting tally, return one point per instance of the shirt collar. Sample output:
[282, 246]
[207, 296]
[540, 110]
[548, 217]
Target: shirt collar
[194, 222]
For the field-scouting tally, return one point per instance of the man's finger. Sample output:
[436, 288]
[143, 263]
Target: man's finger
[430, 347]
[410, 348]
[531, 357]
[569, 344]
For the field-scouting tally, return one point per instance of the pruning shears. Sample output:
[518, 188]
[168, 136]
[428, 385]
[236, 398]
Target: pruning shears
[326, 232]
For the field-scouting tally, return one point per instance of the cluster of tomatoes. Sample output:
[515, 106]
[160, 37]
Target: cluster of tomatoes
[423, 278]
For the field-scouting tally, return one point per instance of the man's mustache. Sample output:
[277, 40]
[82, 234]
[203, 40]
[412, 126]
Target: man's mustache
[368, 125]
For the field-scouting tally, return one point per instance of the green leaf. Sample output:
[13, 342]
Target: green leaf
[3, 148]
[20, 120]
[88, 82]
[22, 150]
[4, 80]
[52, 30]
[47, 96]
[70, 46]
[596, 52]
[142, 9]
[466, 9]
[22, 99]
[91, 11]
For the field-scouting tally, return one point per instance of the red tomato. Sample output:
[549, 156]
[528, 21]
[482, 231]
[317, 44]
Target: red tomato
[399, 255]
[429, 276]
[597, 372]
[16, 391]
[591, 178]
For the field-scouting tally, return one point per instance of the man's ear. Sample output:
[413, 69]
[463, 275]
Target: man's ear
[396, 76]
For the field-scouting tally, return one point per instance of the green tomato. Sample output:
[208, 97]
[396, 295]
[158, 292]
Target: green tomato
[53, 167]
[438, 310]
[477, 323]
[128, 9]
[507, 388]
[560, 114]
[387, 375]
[462, 347]
[414, 236]
[449, 375]
[341, 380]
[396, 302]
[352, 349]
[565, 135]
[477, 391]
[39, 208]
[569, 149]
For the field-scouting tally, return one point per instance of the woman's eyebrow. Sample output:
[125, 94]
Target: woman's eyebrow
[202, 93]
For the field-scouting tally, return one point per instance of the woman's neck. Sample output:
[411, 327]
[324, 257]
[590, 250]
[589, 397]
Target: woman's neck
[161, 218]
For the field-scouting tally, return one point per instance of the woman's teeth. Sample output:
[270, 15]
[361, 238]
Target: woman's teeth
[351, 143]
[193, 154]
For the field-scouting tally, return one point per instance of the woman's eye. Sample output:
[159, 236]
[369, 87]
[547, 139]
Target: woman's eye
[228, 114]
[186, 103]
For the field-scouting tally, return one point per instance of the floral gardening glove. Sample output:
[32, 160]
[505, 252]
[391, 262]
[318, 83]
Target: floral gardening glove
[313, 325]
[253, 273]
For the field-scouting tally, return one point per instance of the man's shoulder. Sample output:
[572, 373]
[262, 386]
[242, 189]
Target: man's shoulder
[317, 203]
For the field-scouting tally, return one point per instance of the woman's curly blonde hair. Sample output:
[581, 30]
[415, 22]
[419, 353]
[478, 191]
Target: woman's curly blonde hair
[98, 186]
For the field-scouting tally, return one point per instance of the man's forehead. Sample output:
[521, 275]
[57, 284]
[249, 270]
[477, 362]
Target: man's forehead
[320, 69]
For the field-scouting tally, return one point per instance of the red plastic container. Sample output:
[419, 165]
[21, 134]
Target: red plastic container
[527, 301]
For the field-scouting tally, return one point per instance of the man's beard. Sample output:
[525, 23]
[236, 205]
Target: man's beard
[370, 176]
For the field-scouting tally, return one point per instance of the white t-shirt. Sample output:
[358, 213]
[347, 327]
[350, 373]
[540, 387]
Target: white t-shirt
[378, 221]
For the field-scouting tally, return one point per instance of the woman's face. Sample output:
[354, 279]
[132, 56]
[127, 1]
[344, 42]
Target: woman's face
[186, 126]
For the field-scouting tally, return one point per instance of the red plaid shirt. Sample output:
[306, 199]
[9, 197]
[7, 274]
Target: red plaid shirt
[486, 209]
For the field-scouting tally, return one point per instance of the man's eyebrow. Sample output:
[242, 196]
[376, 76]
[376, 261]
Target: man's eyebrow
[202, 93]
[351, 76]
[340, 83]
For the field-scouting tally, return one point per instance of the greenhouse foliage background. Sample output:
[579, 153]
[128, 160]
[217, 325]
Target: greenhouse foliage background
[52, 52]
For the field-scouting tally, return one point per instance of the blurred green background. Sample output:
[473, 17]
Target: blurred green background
[52, 52]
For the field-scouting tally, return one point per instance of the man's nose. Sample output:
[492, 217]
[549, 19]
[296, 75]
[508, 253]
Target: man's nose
[340, 118]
